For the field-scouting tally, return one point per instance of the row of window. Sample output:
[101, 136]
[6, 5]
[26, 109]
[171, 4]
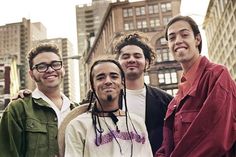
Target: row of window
[150, 9]
[167, 77]
[144, 23]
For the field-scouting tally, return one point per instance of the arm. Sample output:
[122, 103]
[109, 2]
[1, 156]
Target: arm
[74, 143]
[213, 132]
[11, 134]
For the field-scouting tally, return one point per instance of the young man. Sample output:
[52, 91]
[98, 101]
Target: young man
[106, 130]
[135, 56]
[200, 121]
[29, 126]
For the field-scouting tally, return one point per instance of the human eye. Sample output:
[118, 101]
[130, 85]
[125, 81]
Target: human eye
[114, 76]
[171, 37]
[185, 33]
[125, 56]
[41, 66]
[138, 55]
[100, 77]
[56, 64]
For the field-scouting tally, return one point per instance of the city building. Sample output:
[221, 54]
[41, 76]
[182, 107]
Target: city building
[149, 16]
[88, 20]
[9, 78]
[219, 25]
[16, 39]
[66, 49]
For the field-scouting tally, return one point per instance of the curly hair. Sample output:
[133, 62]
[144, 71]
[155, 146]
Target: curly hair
[44, 47]
[139, 39]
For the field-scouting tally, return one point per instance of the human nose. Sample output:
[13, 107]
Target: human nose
[131, 59]
[50, 69]
[108, 81]
[178, 39]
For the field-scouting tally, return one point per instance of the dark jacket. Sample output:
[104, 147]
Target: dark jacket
[156, 106]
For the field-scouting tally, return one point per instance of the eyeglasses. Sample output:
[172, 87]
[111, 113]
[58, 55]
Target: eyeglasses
[43, 67]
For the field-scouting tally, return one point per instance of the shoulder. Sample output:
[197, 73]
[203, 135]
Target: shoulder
[74, 113]
[19, 104]
[158, 93]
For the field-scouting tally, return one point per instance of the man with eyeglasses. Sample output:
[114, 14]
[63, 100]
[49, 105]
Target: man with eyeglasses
[29, 125]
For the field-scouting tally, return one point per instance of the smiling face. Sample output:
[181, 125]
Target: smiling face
[107, 82]
[133, 62]
[50, 78]
[182, 42]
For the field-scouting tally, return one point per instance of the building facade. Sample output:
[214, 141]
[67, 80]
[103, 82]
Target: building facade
[219, 25]
[16, 39]
[9, 79]
[148, 16]
[88, 20]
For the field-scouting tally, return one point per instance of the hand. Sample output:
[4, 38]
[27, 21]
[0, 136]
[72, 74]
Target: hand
[21, 94]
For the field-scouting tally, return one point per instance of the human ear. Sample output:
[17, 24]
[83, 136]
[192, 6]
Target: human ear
[198, 39]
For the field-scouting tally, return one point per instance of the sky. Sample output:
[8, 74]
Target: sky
[58, 16]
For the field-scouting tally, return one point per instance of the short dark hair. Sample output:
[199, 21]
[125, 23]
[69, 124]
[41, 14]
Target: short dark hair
[44, 47]
[99, 61]
[139, 39]
[192, 24]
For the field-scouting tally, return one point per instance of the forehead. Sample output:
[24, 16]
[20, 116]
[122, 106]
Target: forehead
[179, 26]
[46, 57]
[130, 49]
[105, 68]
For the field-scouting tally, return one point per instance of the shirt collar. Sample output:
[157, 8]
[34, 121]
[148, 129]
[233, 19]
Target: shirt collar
[192, 72]
[37, 94]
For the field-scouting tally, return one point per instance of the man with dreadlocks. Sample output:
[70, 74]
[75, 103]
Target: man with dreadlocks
[105, 130]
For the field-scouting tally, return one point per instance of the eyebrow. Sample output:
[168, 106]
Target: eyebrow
[182, 30]
[103, 74]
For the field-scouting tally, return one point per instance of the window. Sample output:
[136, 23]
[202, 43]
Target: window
[172, 91]
[141, 24]
[161, 78]
[127, 12]
[168, 76]
[154, 22]
[163, 41]
[165, 7]
[140, 11]
[153, 9]
[166, 19]
[129, 26]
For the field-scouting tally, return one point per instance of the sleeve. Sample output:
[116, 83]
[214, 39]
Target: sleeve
[11, 134]
[74, 143]
[212, 133]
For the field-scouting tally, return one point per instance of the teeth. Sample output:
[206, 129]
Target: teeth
[180, 49]
[49, 77]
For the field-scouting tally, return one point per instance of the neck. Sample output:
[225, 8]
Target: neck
[187, 65]
[54, 96]
[135, 84]
[106, 106]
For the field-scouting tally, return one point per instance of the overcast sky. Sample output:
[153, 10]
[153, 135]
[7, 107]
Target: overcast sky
[58, 16]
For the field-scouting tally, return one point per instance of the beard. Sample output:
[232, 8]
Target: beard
[109, 98]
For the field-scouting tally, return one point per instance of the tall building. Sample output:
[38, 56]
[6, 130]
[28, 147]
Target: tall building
[148, 16]
[66, 49]
[219, 25]
[16, 39]
[88, 19]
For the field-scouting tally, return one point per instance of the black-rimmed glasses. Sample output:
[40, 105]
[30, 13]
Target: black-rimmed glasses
[43, 67]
